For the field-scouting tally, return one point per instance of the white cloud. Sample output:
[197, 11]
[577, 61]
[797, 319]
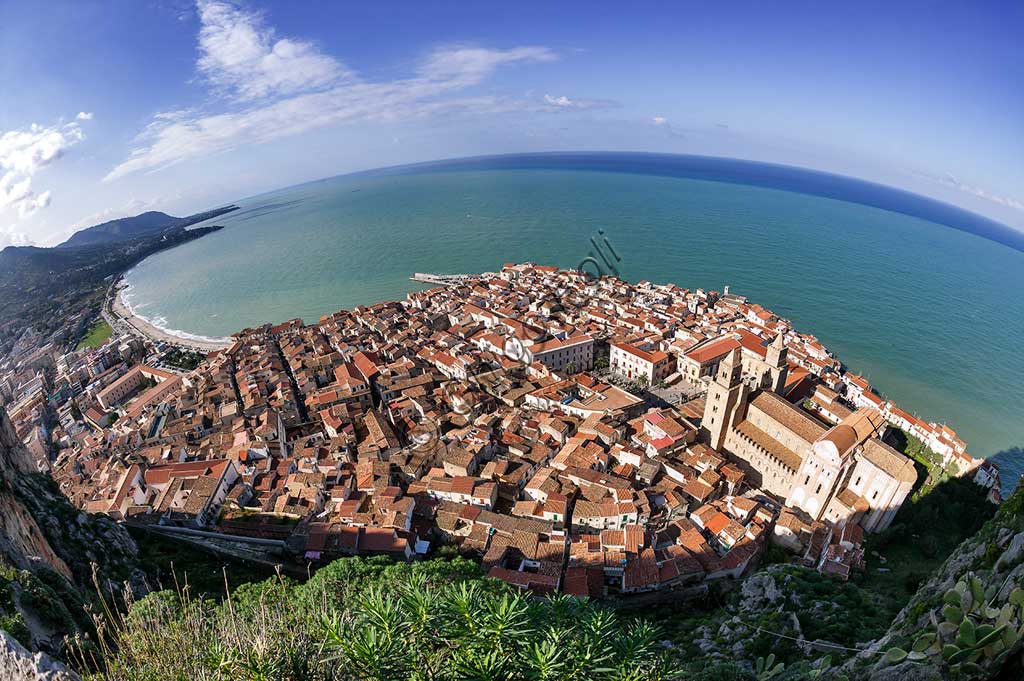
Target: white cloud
[10, 236]
[26, 151]
[278, 88]
[461, 66]
[241, 55]
[562, 101]
[31, 204]
[950, 181]
[84, 116]
[659, 120]
[23, 153]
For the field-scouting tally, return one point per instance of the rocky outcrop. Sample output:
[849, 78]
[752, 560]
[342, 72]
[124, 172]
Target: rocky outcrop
[967, 620]
[48, 547]
[22, 541]
[41, 528]
[760, 592]
[784, 609]
[18, 664]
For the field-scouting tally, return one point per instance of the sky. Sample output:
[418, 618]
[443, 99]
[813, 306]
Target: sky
[113, 108]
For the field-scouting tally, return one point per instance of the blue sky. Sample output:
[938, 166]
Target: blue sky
[112, 108]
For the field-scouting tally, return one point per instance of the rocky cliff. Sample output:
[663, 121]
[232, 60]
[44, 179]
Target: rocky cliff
[22, 541]
[967, 620]
[18, 664]
[47, 548]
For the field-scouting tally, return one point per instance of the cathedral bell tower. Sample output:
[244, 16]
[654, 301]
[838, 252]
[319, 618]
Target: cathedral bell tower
[726, 393]
[778, 367]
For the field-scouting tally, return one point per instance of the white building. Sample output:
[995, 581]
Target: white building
[634, 361]
[576, 353]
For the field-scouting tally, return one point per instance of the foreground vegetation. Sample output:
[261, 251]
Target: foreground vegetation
[967, 620]
[443, 619]
[370, 619]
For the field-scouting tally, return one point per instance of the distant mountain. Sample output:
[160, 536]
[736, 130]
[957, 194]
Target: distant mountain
[122, 229]
[56, 290]
[127, 229]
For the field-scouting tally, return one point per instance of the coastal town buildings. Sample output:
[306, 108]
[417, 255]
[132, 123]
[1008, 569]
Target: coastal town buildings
[577, 435]
[641, 361]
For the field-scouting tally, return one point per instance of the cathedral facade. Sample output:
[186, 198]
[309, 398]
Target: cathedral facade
[843, 474]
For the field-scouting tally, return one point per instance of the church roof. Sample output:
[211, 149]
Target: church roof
[842, 436]
[857, 427]
[852, 500]
[793, 418]
[889, 460]
[784, 455]
[708, 352]
[865, 422]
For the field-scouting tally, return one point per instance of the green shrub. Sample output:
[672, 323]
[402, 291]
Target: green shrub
[372, 619]
[724, 671]
[14, 624]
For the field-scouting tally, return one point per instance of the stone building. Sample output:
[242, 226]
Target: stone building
[844, 474]
[636, 361]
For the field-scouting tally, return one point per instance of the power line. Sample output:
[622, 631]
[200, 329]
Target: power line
[816, 643]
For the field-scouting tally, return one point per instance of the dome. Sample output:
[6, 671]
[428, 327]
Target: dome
[844, 437]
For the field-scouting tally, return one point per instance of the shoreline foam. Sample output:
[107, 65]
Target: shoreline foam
[122, 309]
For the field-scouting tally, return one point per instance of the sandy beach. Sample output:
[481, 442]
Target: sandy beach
[122, 317]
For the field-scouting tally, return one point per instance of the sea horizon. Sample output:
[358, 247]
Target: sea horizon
[984, 228]
[357, 238]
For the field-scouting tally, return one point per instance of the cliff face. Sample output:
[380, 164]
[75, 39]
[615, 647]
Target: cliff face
[47, 548]
[967, 620]
[22, 541]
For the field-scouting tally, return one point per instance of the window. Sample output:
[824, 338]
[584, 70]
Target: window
[818, 491]
[857, 484]
[808, 480]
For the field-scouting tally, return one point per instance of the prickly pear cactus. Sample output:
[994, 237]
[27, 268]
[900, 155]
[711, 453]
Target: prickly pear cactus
[976, 626]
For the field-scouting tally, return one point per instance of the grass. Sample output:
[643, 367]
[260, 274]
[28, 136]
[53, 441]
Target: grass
[99, 333]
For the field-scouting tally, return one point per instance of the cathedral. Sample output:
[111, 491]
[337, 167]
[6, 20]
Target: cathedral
[840, 475]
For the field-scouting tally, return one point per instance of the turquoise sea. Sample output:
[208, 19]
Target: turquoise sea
[902, 289]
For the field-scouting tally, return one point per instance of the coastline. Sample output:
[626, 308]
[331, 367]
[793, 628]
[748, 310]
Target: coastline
[123, 319]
